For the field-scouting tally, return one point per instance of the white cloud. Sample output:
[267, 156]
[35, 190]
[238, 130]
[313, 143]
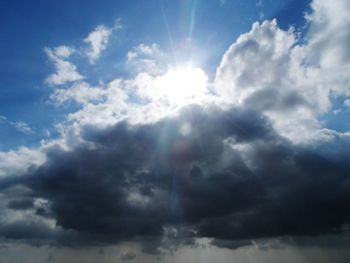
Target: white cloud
[62, 52]
[22, 126]
[98, 41]
[143, 99]
[144, 50]
[81, 92]
[262, 70]
[17, 162]
[291, 83]
[328, 43]
[65, 70]
[146, 58]
[111, 106]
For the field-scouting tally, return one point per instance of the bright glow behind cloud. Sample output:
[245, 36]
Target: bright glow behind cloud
[181, 85]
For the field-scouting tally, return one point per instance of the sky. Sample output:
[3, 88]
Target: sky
[175, 131]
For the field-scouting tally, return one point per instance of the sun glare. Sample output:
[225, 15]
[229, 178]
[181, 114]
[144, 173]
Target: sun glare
[182, 85]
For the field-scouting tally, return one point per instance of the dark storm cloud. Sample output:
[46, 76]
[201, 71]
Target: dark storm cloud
[230, 244]
[31, 231]
[227, 176]
[20, 204]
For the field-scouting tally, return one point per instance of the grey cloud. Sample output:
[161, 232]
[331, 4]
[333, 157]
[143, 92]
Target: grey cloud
[27, 230]
[231, 178]
[21, 204]
[128, 255]
[231, 244]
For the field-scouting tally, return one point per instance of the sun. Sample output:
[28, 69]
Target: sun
[182, 85]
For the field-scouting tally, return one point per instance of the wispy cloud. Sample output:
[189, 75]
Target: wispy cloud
[2, 119]
[22, 126]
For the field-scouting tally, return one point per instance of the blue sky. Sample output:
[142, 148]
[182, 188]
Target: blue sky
[175, 131]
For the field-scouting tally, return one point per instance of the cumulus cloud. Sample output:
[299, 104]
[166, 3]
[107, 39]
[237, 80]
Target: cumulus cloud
[291, 83]
[65, 71]
[262, 70]
[327, 48]
[17, 162]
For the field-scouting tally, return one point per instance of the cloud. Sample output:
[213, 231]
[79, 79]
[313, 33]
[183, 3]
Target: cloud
[2, 119]
[262, 70]
[138, 100]
[328, 49]
[98, 40]
[22, 127]
[146, 58]
[127, 256]
[81, 93]
[17, 162]
[232, 178]
[21, 204]
[347, 103]
[65, 71]
[292, 83]
[231, 244]
[144, 50]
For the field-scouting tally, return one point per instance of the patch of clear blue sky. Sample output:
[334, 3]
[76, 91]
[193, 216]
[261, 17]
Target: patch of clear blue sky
[337, 118]
[26, 27]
